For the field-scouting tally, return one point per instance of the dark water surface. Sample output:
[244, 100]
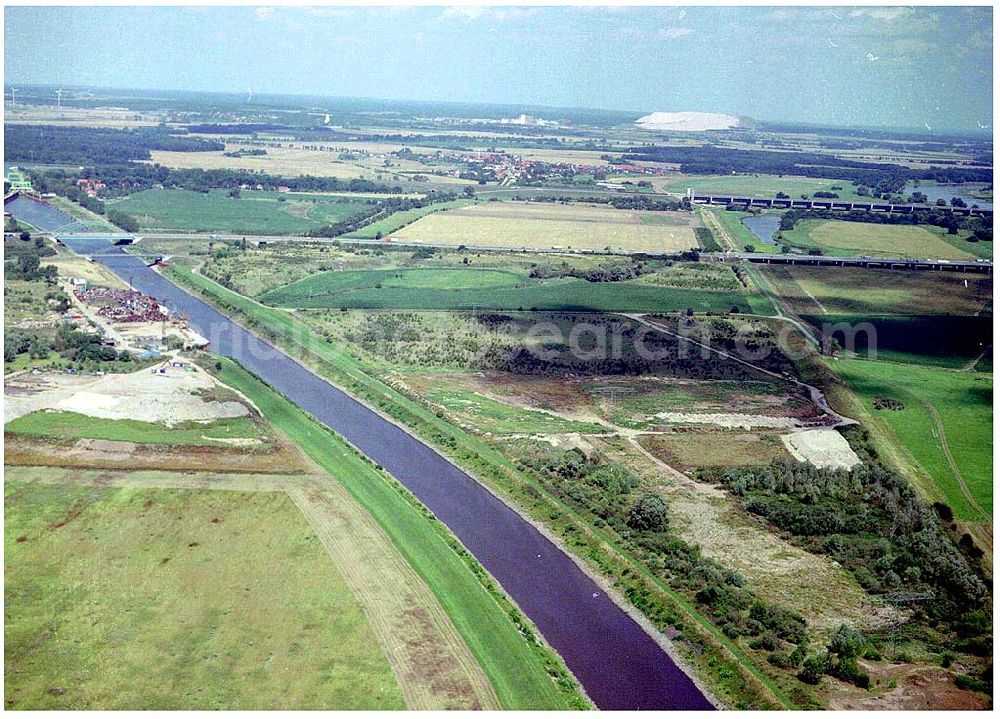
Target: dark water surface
[619, 665]
[763, 227]
[41, 215]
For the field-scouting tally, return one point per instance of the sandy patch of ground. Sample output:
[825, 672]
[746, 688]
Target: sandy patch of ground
[825, 448]
[743, 421]
[815, 586]
[169, 398]
[94, 273]
[561, 441]
[917, 688]
[775, 569]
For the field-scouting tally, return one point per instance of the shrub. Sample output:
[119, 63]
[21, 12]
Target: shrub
[648, 514]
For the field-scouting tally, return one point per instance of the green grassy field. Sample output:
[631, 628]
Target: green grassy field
[762, 186]
[837, 237]
[70, 425]
[462, 289]
[178, 599]
[253, 213]
[519, 669]
[849, 290]
[398, 220]
[933, 399]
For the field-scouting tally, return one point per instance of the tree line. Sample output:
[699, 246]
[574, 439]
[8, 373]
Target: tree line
[709, 160]
[53, 144]
[128, 178]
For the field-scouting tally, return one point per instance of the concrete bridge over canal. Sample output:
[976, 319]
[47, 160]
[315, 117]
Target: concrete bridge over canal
[817, 204]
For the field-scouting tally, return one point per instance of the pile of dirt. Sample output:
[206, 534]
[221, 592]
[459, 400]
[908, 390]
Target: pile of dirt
[825, 448]
[163, 393]
[729, 420]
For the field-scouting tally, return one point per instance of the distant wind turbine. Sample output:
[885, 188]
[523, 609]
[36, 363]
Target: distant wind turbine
[249, 94]
[13, 91]
[59, 93]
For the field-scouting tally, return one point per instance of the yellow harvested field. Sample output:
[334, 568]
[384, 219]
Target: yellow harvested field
[277, 161]
[553, 226]
[81, 117]
[302, 161]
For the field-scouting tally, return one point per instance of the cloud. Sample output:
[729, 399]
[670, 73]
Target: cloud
[475, 12]
[885, 14]
[326, 11]
[674, 32]
[265, 13]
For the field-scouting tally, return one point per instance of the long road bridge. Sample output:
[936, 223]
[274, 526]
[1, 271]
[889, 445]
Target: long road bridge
[789, 203]
[873, 263]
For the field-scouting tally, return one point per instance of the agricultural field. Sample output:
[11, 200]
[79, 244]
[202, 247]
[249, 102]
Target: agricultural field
[837, 237]
[281, 161]
[254, 271]
[942, 418]
[397, 220]
[252, 212]
[300, 160]
[850, 290]
[544, 226]
[177, 600]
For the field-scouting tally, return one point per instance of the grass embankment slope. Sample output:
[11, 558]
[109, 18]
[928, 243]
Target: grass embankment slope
[736, 235]
[70, 425]
[118, 598]
[519, 669]
[945, 424]
[734, 677]
[467, 289]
